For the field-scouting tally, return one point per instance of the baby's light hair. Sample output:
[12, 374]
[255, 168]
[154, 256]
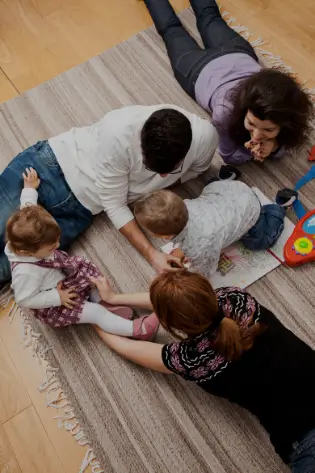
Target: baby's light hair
[31, 228]
[162, 213]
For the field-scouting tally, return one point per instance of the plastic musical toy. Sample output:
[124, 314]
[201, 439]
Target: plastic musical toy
[300, 247]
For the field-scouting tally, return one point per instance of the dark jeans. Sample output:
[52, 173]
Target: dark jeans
[302, 459]
[54, 195]
[186, 56]
[268, 228]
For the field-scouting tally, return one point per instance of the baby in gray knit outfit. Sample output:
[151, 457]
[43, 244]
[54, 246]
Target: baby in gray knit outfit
[202, 227]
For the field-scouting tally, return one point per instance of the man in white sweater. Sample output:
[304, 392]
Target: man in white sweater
[104, 167]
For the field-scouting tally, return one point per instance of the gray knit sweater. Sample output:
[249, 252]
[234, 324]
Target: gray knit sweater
[224, 212]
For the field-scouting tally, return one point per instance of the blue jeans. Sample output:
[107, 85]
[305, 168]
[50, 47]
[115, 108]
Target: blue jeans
[266, 231]
[302, 459]
[54, 195]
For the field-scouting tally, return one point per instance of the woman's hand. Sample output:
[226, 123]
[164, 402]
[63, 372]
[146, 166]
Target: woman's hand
[261, 151]
[141, 300]
[31, 179]
[106, 292]
[67, 296]
[146, 354]
[265, 149]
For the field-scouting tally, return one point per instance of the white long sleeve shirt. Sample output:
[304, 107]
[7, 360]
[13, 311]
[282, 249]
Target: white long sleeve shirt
[223, 214]
[34, 287]
[103, 163]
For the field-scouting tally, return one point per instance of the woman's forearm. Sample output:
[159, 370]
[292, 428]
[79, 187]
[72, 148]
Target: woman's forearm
[146, 354]
[140, 300]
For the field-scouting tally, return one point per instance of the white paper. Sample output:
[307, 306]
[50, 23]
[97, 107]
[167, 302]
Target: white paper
[248, 267]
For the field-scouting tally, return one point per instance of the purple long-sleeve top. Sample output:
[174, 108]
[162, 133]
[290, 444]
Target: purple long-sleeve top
[213, 92]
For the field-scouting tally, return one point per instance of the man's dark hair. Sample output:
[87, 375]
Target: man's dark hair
[165, 140]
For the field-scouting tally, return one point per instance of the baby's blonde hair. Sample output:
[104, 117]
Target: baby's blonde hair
[162, 213]
[31, 228]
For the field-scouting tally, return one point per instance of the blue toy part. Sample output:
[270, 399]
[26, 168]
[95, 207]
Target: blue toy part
[309, 225]
[299, 209]
[297, 205]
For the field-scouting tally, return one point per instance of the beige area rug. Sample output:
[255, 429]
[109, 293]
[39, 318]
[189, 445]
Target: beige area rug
[139, 421]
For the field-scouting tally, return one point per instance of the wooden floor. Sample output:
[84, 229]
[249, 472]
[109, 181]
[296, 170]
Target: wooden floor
[38, 40]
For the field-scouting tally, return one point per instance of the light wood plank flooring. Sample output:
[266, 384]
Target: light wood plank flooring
[38, 40]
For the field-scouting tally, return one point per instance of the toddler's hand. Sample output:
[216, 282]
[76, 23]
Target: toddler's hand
[31, 179]
[164, 263]
[104, 288]
[180, 254]
[67, 296]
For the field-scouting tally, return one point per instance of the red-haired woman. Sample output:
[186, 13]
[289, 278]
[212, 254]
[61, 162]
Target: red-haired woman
[232, 347]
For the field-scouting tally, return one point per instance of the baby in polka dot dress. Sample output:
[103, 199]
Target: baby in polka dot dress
[60, 289]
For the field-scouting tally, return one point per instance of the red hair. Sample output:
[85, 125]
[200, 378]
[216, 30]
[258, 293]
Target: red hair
[185, 302]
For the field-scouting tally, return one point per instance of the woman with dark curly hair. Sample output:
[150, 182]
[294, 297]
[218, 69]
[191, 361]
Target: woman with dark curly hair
[257, 112]
[232, 347]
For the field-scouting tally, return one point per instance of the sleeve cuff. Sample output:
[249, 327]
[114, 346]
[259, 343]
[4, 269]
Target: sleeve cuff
[29, 196]
[54, 299]
[121, 217]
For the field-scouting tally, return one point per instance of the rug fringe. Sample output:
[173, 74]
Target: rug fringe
[6, 296]
[89, 461]
[50, 385]
[270, 59]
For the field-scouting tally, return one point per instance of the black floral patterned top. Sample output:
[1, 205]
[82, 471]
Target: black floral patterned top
[275, 380]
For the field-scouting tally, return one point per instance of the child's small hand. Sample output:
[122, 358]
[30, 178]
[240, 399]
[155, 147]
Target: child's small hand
[180, 254]
[31, 179]
[104, 288]
[67, 296]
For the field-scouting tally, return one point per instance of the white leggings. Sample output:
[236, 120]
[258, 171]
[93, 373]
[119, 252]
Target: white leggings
[94, 313]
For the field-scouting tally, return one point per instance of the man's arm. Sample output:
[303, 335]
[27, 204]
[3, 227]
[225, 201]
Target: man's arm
[133, 233]
[112, 182]
[160, 261]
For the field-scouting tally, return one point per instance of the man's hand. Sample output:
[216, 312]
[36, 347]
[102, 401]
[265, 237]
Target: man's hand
[31, 179]
[67, 296]
[164, 263]
[160, 261]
